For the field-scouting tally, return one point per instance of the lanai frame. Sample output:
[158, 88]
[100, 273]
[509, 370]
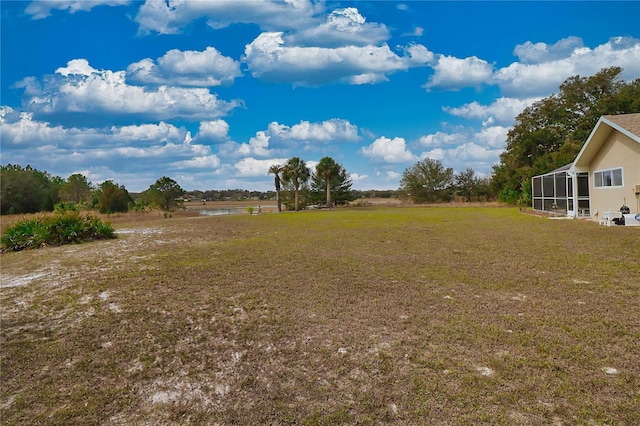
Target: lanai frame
[562, 191]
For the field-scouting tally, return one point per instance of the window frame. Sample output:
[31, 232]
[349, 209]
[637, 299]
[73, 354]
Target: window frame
[606, 178]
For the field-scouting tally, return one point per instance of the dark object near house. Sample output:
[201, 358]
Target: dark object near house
[624, 210]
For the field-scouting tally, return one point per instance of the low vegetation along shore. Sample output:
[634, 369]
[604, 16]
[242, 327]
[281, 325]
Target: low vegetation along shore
[370, 315]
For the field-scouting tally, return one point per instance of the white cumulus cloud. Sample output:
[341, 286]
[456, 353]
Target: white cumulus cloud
[453, 73]
[67, 149]
[171, 16]
[79, 88]
[534, 53]
[280, 138]
[186, 68]
[479, 158]
[388, 150]
[150, 133]
[258, 145]
[393, 175]
[540, 70]
[40, 9]
[342, 27]
[467, 147]
[418, 55]
[545, 68]
[502, 110]
[251, 167]
[25, 131]
[204, 162]
[215, 130]
[268, 58]
[357, 177]
[333, 130]
[77, 67]
[440, 139]
[492, 137]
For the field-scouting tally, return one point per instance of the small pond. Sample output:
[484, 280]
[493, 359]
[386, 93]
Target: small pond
[260, 208]
[218, 212]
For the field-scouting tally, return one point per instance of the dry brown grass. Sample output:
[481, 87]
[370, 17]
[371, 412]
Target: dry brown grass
[350, 316]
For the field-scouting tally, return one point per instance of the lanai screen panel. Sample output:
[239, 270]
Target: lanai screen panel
[536, 184]
[584, 208]
[551, 192]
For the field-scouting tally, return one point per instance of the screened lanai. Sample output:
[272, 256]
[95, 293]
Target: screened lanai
[562, 191]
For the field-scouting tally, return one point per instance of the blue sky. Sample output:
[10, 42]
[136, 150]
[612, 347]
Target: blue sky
[210, 93]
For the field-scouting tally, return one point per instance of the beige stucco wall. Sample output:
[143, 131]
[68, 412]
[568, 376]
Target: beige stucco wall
[618, 151]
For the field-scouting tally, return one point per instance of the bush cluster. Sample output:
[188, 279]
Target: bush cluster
[65, 227]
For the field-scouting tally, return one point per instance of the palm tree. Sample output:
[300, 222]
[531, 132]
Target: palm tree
[297, 173]
[328, 170]
[276, 169]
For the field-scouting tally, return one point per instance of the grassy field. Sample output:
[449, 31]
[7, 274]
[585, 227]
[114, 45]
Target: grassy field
[377, 315]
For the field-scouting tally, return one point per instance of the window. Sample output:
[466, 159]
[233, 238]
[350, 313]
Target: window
[606, 178]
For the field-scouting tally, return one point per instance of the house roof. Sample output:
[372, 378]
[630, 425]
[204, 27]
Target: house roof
[627, 124]
[630, 122]
[560, 169]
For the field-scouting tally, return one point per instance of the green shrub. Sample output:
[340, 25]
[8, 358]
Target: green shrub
[65, 227]
[62, 207]
[98, 229]
[25, 234]
[509, 196]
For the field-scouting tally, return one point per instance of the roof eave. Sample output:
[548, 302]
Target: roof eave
[588, 150]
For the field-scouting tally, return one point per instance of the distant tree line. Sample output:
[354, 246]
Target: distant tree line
[28, 190]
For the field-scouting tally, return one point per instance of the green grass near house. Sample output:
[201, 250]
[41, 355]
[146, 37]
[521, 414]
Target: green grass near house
[348, 316]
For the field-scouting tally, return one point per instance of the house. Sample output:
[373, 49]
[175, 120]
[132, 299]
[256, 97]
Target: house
[604, 176]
